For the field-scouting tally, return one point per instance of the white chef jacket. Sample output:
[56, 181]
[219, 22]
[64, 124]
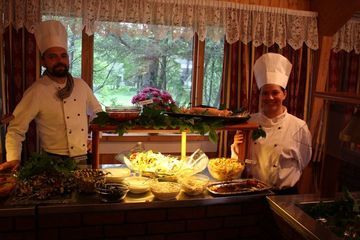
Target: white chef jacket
[282, 155]
[62, 124]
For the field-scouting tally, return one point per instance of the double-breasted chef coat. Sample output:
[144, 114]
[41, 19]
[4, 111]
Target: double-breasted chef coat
[280, 157]
[62, 124]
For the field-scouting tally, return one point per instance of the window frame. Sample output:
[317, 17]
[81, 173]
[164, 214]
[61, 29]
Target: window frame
[87, 62]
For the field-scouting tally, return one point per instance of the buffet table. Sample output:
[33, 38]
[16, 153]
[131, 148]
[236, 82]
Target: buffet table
[83, 216]
[96, 129]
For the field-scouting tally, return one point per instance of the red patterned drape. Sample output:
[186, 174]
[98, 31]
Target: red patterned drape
[239, 88]
[344, 76]
[344, 72]
[20, 72]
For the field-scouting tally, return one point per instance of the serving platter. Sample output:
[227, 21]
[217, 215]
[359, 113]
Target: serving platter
[225, 119]
[240, 186]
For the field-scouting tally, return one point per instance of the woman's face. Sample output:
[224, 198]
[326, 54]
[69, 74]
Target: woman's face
[272, 97]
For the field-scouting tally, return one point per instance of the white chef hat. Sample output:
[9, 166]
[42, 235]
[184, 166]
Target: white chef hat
[50, 34]
[272, 68]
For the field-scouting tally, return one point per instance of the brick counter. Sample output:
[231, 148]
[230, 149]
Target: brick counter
[204, 217]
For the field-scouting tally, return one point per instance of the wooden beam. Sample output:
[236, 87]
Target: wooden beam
[198, 72]
[333, 14]
[322, 75]
[87, 58]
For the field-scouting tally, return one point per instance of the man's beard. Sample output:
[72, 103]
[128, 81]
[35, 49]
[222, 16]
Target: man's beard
[56, 71]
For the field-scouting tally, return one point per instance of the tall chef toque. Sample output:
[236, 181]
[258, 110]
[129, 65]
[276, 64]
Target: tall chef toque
[50, 34]
[272, 68]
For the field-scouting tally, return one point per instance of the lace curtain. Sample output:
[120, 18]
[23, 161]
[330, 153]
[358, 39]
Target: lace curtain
[348, 37]
[179, 18]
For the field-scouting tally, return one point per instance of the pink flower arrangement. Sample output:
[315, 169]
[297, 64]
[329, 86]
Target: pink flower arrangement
[154, 98]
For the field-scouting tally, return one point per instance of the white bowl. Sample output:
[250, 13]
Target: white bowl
[138, 184]
[165, 190]
[117, 175]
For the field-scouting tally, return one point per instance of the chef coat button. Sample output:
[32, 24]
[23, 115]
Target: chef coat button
[72, 147]
[275, 145]
[75, 99]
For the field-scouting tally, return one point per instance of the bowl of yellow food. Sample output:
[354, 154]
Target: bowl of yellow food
[194, 185]
[225, 169]
[165, 190]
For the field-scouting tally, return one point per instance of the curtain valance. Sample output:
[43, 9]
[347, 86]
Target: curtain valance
[180, 18]
[348, 37]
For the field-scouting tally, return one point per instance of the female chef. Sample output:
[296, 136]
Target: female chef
[280, 157]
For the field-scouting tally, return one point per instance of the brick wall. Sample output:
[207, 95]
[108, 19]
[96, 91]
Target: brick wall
[243, 220]
[17, 227]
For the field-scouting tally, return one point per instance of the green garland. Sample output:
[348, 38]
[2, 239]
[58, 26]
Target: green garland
[156, 119]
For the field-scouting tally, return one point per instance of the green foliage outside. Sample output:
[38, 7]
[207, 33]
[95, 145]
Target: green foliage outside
[124, 64]
[213, 65]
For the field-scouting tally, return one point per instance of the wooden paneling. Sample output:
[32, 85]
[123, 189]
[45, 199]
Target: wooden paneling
[290, 4]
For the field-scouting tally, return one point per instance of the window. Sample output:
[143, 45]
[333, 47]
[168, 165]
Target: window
[124, 63]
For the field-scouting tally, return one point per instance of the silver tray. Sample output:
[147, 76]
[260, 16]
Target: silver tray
[240, 186]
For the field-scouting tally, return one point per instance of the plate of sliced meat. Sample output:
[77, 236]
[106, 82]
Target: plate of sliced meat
[240, 186]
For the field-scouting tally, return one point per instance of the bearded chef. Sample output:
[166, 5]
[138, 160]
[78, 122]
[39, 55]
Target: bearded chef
[279, 158]
[59, 103]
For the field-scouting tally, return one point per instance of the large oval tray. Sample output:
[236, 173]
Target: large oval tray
[233, 119]
[240, 186]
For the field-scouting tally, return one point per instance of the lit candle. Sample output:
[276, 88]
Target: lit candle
[183, 145]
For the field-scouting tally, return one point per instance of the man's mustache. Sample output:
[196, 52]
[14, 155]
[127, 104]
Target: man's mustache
[60, 65]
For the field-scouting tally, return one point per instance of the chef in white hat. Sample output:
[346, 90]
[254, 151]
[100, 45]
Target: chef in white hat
[59, 103]
[279, 158]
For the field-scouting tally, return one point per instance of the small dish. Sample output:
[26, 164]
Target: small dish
[138, 184]
[165, 190]
[116, 175]
[112, 192]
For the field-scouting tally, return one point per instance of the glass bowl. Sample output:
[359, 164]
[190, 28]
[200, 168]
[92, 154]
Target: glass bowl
[112, 192]
[225, 169]
[194, 185]
[123, 113]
